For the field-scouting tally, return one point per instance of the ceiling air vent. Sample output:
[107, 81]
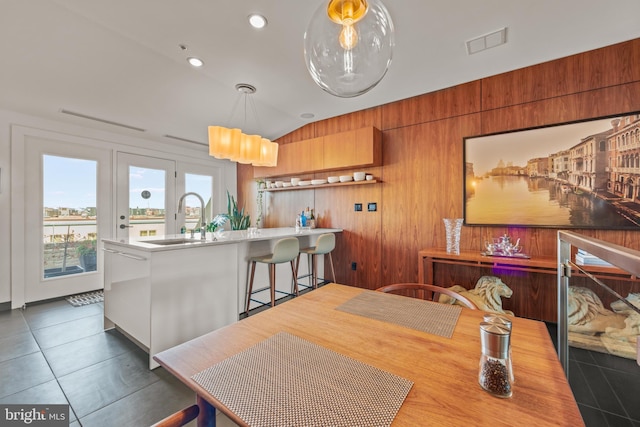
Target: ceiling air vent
[177, 138]
[97, 119]
[487, 41]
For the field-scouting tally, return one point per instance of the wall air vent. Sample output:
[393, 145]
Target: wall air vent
[177, 138]
[97, 119]
[487, 41]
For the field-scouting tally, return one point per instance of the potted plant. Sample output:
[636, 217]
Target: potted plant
[86, 252]
[237, 218]
[260, 201]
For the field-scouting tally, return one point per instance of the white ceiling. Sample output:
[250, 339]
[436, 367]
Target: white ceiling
[119, 60]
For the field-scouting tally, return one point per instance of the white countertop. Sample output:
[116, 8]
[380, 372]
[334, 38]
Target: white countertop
[184, 241]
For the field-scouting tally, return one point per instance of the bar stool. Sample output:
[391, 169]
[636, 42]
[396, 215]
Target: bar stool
[324, 245]
[285, 250]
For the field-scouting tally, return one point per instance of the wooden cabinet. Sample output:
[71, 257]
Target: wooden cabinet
[533, 281]
[345, 150]
[361, 147]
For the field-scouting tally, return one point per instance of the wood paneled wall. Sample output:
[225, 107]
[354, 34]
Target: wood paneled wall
[422, 172]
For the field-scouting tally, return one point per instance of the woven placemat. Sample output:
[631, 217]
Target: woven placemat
[288, 381]
[426, 316]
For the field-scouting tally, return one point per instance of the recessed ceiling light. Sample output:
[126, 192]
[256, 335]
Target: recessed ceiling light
[196, 62]
[257, 21]
[307, 116]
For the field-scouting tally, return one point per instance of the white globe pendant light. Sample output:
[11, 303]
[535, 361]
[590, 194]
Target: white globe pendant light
[348, 46]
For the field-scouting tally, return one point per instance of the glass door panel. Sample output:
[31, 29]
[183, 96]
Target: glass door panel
[67, 207]
[69, 226]
[146, 202]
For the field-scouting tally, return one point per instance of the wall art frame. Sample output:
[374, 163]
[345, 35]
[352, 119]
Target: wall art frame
[583, 174]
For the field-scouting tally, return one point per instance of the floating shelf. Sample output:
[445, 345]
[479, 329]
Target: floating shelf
[313, 187]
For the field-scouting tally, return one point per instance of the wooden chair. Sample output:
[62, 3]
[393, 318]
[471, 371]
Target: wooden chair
[179, 418]
[426, 292]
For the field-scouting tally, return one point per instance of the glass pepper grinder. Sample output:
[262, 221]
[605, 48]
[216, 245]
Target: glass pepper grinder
[505, 321]
[494, 375]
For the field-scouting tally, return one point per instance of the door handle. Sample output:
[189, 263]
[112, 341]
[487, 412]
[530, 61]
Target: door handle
[122, 226]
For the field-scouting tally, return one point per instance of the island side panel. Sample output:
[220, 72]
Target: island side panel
[193, 291]
[127, 286]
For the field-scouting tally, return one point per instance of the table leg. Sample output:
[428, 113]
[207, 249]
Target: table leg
[207, 415]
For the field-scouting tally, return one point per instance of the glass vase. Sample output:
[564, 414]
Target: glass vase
[452, 227]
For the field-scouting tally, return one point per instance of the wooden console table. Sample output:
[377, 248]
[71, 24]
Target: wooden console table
[534, 296]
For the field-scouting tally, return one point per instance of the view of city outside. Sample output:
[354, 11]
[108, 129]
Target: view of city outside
[69, 225]
[579, 175]
[69, 210]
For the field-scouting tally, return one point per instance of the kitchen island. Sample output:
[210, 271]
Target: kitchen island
[163, 291]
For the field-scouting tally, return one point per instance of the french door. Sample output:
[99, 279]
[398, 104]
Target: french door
[66, 213]
[145, 196]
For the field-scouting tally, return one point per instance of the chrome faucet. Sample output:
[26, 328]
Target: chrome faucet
[203, 222]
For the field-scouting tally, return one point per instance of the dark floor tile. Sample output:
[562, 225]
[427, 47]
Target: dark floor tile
[615, 362]
[58, 313]
[635, 423]
[627, 388]
[12, 322]
[617, 421]
[36, 308]
[24, 372]
[602, 391]
[99, 385]
[44, 394]
[581, 355]
[579, 385]
[70, 357]
[63, 333]
[592, 417]
[143, 407]
[18, 345]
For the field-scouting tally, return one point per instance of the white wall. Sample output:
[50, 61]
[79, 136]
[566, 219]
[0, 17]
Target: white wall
[173, 150]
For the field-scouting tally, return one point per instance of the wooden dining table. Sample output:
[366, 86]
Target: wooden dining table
[443, 370]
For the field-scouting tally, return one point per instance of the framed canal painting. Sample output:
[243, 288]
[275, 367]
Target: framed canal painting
[575, 175]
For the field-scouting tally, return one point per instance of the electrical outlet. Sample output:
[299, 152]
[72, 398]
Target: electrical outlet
[357, 207]
[354, 266]
[372, 207]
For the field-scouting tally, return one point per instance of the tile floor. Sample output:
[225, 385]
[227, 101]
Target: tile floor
[54, 353]
[607, 388]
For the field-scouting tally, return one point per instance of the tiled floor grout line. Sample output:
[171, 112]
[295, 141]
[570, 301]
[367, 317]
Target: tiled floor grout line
[606, 378]
[52, 371]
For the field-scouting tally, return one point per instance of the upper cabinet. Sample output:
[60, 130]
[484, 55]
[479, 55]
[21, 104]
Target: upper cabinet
[354, 148]
[345, 150]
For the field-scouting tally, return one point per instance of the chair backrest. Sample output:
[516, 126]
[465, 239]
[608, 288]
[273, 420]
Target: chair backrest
[427, 292]
[325, 243]
[285, 250]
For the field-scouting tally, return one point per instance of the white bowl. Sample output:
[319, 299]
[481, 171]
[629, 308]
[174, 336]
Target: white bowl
[287, 184]
[369, 178]
[346, 178]
[359, 176]
[318, 181]
[333, 179]
[279, 184]
[295, 181]
[303, 183]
